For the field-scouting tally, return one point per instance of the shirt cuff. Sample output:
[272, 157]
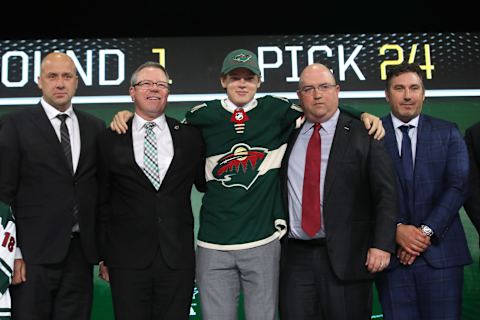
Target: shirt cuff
[18, 253]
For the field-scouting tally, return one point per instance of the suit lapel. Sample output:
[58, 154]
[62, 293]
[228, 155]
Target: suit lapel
[391, 145]
[40, 119]
[127, 151]
[290, 144]
[422, 152]
[178, 143]
[340, 144]
[85, 138]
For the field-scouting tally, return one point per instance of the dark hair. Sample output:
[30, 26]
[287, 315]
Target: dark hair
[402, 68]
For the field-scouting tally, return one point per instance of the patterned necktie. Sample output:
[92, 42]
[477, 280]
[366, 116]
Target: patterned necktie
[65, 140]
[407, 165]
[67, 149]
[150, 159]
[311, 215]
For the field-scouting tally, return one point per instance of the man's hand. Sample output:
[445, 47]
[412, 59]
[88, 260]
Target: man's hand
[19, 271]
[377, 260]
[119, 121]
[103, 271]
[374, 125]
[404, 257]
[411, 239]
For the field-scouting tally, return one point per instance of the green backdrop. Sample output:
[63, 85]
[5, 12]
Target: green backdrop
[464, 111]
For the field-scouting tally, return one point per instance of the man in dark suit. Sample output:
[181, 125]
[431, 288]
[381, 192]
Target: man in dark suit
[328, 263]
[472, 205]
[47, 175]
[425, 280]
[146, 178]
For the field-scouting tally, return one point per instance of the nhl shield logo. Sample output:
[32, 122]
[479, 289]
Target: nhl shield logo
[239, 167]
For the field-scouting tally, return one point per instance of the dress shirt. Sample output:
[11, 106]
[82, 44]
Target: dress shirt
[72, 125]
[296, 168]
[412, 133]
[164, 142]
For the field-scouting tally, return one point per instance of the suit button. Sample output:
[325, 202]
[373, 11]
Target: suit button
[159, 220]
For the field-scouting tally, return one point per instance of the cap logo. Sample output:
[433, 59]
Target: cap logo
[242, 57]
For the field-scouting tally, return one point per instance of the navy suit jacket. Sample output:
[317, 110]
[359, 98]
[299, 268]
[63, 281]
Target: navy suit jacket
[440, 188]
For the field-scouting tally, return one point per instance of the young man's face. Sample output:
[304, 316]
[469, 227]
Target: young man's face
[405, 96]
[241, 86]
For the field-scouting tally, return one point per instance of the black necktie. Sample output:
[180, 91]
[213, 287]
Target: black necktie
[407, 164]
[65, 142]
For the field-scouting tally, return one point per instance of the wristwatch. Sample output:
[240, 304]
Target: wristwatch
[426, 230]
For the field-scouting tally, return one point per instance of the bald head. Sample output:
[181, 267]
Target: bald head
[58, 80]
[315, 70]
[318, 93]
[57, 57]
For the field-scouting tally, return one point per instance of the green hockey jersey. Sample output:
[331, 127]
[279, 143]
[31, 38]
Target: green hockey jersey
[242, 206]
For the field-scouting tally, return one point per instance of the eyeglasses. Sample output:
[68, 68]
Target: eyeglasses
[322, 88]
[148, 84]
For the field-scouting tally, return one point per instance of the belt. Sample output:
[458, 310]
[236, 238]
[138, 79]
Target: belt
[319, 242]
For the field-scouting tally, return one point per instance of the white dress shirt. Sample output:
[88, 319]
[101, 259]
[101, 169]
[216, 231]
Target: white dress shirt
[412, 133]
[72, 125]
[164, 142]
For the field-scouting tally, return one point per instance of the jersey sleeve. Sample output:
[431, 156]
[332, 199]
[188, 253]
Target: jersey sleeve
[290, 111]
[197, 116]
[8, 245]
[351, 111]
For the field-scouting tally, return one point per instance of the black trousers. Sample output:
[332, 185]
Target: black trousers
[310, 290]
[56, 291]
[153, 293]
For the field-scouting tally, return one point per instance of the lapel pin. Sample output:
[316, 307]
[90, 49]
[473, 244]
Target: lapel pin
[176, 127]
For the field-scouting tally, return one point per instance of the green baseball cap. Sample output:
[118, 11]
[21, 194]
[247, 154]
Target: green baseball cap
[241, 58]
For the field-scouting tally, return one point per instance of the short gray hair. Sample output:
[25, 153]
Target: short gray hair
[148, 64]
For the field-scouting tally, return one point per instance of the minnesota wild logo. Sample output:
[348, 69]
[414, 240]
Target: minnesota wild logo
[239, 167]
[242, 57]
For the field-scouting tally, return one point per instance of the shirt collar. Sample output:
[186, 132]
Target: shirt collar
[398, 123]
[230, 106]
[52, 112]
[138, 122]
[328, 126]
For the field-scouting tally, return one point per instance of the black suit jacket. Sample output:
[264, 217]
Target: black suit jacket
[135, 218]
[35, 180]
[472, 205]
[360, 201]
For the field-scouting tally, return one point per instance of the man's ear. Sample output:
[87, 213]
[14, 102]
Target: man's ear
[132, 93]
[223, 81]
